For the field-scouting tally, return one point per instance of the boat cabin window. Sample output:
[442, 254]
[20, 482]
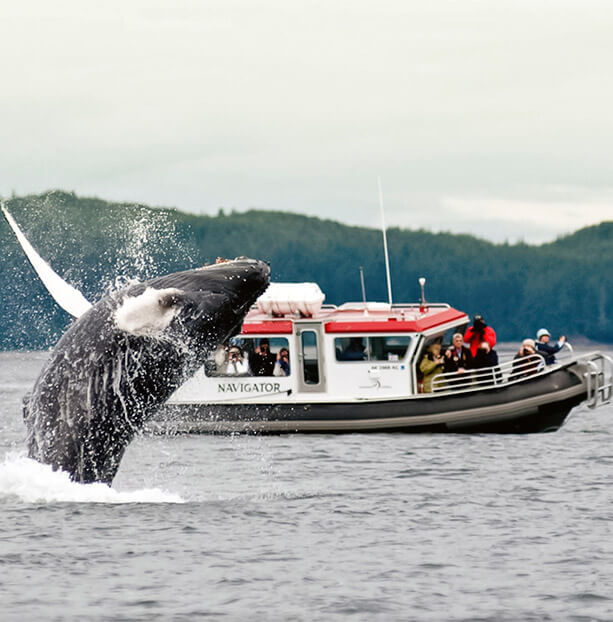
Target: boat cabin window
[310, 357]
[371, 348]
[250, 356]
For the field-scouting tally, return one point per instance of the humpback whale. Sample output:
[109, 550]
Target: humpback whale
[124, 356]
[122, 359]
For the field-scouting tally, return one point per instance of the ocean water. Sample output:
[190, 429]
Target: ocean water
[348, 527]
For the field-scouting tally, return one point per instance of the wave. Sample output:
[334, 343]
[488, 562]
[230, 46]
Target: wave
[33, 482]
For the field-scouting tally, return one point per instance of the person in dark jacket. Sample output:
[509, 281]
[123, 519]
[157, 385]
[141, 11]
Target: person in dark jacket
[457, 359]
[262, 360]
[545, 348]
[479, 332]
[486, 357]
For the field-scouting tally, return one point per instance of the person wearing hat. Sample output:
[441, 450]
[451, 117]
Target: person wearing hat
[527, 361]
[545, 348]
[479, 332]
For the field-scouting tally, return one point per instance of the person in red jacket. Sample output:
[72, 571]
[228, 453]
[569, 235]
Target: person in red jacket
[479, 332]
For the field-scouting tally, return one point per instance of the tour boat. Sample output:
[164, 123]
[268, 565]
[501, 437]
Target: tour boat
[354, 368]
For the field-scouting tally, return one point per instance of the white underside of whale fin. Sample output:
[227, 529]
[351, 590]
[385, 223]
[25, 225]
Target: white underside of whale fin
[67, 296]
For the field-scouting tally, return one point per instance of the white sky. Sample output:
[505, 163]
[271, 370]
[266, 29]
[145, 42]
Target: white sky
[493, 118]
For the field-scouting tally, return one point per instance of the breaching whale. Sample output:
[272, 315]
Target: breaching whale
[122, 359]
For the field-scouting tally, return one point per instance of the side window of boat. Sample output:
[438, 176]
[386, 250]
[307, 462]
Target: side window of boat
[388, 348]
[371, 348]
[310, 357]
[250, 356]
[350, 348]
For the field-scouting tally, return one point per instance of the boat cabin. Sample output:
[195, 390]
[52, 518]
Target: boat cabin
[293, 348]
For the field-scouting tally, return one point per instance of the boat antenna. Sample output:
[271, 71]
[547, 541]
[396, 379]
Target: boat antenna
[363, 290]
[387, 259]
[423, 307]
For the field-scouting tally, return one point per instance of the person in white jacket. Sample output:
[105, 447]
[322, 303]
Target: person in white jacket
[236, 365]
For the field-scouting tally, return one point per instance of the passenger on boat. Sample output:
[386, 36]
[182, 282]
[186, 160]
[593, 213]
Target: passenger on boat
[457, 356]
[282, 364]
[543, 347]
[431, 365]
[262, 360]
[354, 350]
[486, 357]
[479, 332]
[236, 365]
[527, 361]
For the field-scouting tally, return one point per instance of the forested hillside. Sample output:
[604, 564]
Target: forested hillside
[566, 286]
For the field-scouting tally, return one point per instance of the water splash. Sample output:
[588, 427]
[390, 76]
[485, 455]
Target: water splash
[33, 482]
[148, 242]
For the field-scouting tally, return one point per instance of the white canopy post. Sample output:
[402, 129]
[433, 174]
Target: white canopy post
[387, 259]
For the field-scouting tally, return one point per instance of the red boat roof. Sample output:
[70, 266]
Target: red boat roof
[352, 319]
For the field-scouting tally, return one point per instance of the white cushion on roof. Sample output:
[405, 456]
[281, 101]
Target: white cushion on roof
[291, 298]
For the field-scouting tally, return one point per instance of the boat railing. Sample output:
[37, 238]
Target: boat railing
[515, 370]
[384, 306]
[566, 353]
[417, 305]
[598, 378]
[598, 375]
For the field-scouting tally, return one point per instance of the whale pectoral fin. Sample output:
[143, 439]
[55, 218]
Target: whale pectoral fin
[67, 296]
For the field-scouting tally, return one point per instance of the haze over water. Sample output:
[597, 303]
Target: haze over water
[356, 526]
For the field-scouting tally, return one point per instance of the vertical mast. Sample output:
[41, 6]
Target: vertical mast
[387, 259]
[363, 291]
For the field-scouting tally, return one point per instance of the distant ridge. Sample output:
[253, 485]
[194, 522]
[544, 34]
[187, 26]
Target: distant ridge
[565, 285]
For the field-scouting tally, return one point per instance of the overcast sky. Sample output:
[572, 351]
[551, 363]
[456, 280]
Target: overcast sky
[494, 118]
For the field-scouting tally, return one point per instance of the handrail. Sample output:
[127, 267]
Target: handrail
[598, 379]
[358, 306]
[418, 305]
[566, 353]
[512, 371]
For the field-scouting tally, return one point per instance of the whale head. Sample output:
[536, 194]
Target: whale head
[201, 307]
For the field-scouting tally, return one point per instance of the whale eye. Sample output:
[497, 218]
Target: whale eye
[166, 301]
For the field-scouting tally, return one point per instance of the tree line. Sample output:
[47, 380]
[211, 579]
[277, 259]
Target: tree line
[565, 285]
